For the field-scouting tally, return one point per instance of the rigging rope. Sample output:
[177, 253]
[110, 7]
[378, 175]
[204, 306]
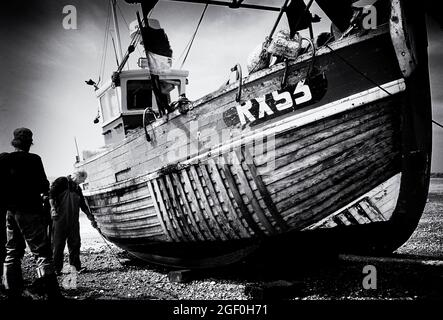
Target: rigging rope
[357, 70]
[105, 42]
[127, 26]
[189, 45]
[366, 77]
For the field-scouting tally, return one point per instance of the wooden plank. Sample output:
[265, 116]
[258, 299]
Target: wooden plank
[174, 217]
[374, 214]
[134, 225]
[146, 197]
[128, 235]
[244, 183]
[330, 200]
[343, 219]
[320, 193]
[218, 205]
[187, 208]
[211, 214]
[198, 210]
[263, 191]
[315, 144]
[317, 132]
[159, 213]
[164, 212]
[311, 144]
[148, 210]
[346, 158]
[364, 113]
[239, 200]
[110, 219]
[361, 219]
[325, 177]
[181, 215]
[305, 192]
[295, 164]
[226, 199]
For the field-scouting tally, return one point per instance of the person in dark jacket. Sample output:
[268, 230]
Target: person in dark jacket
[25, 221]
[66, 199]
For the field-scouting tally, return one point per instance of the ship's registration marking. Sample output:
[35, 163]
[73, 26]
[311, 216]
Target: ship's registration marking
[259, 108]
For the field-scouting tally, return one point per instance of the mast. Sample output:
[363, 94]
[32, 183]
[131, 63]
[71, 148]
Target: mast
[117, 31]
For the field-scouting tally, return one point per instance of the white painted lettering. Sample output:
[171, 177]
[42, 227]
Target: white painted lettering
[264, 109]
[243, 112]
[283, 100]
[302, 88]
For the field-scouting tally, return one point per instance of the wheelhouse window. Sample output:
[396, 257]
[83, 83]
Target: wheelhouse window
[139, 94]
[109, 104]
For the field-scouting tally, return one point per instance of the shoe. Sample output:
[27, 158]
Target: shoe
[51, 288]
[24, 295]
[29, 295]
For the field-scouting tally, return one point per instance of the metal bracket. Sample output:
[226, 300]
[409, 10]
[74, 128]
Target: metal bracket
[237, 68]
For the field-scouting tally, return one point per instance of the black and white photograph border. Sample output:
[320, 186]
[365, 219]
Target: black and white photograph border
[217, 158]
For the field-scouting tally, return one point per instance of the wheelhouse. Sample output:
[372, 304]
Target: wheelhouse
[121, 107]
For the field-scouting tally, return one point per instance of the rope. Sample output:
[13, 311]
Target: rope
[193, 36]
[356, 70]
[112, 251]
[438, 124]
[369, 79]
[127, 26]
[105, 42]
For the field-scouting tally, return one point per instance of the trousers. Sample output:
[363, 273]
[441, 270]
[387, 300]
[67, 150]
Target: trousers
[66, 231]
[25, 226]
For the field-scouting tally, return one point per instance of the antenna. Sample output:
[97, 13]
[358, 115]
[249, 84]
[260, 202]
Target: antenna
[77, 157]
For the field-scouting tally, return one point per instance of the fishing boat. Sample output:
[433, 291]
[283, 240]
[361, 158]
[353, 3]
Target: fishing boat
[329, 141]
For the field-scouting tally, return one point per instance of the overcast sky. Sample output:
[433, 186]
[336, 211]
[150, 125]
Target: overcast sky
[44, 66]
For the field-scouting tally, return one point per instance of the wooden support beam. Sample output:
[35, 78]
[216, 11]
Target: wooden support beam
[164, 213]
[207, 208]
[187, 208]
[240, 203]
[226, 199]
[263, 190]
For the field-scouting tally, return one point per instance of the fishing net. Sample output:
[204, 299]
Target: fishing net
[259, 58]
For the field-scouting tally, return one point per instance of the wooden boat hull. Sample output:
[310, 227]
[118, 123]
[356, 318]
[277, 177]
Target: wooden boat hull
[351, 163]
